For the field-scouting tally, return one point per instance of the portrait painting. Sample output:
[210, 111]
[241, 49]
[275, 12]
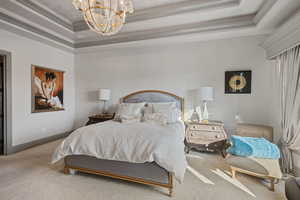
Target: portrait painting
[47, 89]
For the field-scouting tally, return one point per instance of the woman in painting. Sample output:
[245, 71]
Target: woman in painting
[44, 95]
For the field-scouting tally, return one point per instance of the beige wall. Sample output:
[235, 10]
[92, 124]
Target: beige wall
[178, 68]
[26, 126]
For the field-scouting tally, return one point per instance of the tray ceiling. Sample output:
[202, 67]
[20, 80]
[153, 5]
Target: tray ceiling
[58, 22]
[66, 9]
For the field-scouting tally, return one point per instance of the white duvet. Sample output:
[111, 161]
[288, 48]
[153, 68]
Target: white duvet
[136, 142]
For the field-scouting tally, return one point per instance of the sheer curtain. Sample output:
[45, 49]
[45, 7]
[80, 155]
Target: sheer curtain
[288, 77]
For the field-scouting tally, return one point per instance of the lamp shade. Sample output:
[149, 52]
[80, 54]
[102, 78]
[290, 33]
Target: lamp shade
[207, 93]
[104, 94]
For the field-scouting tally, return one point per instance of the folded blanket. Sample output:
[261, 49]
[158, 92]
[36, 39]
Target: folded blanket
[254, 147]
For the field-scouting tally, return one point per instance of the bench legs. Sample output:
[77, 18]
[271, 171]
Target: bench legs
[272, 184]
[66, 170]
[271, 179]
[233, 173]
[171, 184]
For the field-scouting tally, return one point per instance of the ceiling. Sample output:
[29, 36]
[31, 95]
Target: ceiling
[58, 22]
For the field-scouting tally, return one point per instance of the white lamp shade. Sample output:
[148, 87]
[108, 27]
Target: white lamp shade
[207, 93]
[104, 94]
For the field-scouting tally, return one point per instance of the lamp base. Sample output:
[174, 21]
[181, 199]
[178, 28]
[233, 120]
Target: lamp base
[205, 121]
[103, 109]
[205, 112]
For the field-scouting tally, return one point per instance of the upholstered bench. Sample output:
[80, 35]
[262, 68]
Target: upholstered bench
[292, 188]
[262, 168]
[255, 130]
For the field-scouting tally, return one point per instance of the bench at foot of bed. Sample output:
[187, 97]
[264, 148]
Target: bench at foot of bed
[144, 173]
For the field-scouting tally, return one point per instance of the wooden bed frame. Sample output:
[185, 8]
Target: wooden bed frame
[126, 178]
[149, 96]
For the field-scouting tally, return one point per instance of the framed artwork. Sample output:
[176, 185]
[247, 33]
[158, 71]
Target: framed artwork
[238, 82]
[47, 89]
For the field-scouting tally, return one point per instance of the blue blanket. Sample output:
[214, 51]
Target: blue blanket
[254, 147]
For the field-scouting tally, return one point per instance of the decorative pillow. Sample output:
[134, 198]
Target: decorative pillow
[168, 109]
[127, 121]
[158, 118]
[162, 107]
[129, 111]
[173, 115]
[148, 110]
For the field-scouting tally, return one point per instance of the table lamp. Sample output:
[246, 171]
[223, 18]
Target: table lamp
[207, 94]
[104, 95]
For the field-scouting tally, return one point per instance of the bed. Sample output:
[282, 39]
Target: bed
[150, 172]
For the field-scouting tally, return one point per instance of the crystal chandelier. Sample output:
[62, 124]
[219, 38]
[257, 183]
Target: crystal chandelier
[105, 17]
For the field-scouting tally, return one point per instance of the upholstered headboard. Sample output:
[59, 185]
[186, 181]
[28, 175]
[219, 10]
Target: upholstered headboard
[154, 96]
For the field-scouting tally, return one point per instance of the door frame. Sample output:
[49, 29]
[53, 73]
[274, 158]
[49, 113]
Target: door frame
[7, 111]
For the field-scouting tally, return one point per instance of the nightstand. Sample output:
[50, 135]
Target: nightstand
[99, 118]
[207, 137]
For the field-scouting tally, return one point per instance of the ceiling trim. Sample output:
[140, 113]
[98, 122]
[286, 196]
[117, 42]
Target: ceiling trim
[33, 6]
[285, 37]
[15, 22]
[212, 25]
[264, 9]
[169, 10]
[236, 23]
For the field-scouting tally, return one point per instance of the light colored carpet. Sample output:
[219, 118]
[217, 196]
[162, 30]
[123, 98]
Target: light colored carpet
[29, 176]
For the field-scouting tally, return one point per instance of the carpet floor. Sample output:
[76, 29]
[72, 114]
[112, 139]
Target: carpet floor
[28, 175]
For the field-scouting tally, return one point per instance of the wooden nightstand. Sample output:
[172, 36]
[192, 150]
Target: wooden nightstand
[99, 118]
[209, 137]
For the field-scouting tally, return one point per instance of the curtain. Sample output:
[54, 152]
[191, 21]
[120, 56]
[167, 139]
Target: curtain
[288, 76]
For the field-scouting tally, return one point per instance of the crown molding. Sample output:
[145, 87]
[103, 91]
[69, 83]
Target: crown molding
[169, 10]
[285, 37]
[8, 20]
[212, 25]
[235, 23]
[45, 13]
[264, 9]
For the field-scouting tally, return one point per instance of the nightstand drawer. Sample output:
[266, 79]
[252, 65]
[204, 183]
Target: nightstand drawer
[203, 127]
[205, 135]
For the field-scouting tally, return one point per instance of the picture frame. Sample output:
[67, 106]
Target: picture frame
[238, 82]
[47, 89]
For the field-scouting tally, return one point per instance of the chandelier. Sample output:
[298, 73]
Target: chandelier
[105, 17]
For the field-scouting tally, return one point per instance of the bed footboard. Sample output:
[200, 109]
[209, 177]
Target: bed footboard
[144, 173]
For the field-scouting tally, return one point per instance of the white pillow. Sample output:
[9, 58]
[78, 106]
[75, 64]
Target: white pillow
[127, 121]
[148, 110]
[162, 107]
[158, 118]
[169, 110]
[129, 111]
[173, 115]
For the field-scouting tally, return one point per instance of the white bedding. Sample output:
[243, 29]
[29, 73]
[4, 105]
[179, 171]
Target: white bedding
[135, 142]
